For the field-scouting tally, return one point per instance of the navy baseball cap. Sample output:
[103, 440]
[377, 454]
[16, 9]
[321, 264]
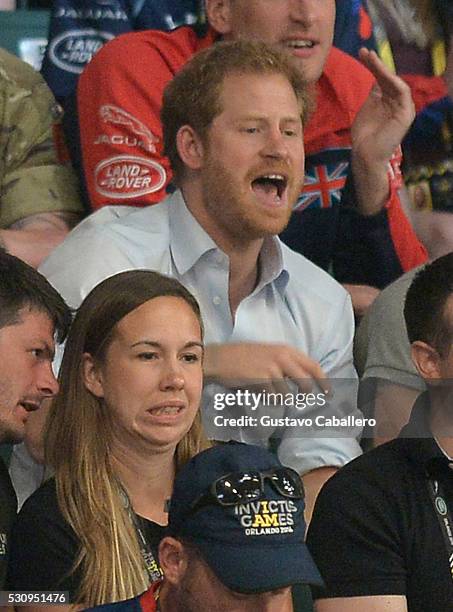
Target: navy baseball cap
[252, 547]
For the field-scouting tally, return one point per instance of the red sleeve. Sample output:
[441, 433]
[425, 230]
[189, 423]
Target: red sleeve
[425, 90]
[410, 251]
[119, 99]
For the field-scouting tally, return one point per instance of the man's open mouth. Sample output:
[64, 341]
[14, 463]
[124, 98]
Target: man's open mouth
[270, 188]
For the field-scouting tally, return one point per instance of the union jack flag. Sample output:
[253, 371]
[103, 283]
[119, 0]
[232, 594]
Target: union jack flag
[323, 185]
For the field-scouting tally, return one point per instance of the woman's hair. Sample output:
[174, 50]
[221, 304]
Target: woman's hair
[78, 439]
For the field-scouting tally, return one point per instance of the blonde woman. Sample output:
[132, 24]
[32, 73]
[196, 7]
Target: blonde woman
[125, 421]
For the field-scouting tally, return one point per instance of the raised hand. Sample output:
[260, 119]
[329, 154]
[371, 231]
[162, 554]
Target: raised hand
[377, 131]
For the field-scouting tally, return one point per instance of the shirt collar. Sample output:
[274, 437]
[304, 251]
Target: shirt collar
[420, 445]
[271, 265]
[189, 242]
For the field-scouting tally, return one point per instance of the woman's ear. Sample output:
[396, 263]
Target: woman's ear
[92, 376]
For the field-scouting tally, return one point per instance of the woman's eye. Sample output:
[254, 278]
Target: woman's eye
[191, 358]
[147, 356]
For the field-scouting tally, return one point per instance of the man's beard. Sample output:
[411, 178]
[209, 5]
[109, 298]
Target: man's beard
[185, 597]
[221, 189]
[10, 433]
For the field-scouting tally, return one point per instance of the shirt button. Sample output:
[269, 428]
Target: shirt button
[216, 300]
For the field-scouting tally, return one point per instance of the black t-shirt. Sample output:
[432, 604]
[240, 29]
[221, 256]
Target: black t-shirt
[44, 547]
[8, 509]
[375, 532]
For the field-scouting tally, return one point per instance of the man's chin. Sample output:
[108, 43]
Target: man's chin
[311, 69]
[279, 224]
[274, 228]
[12, 435]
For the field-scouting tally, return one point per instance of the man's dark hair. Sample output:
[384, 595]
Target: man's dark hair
[424, 308]
[22, 287]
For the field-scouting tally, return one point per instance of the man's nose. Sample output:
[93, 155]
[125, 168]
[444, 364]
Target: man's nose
[47, 383]
[275, 145]
[303, 11]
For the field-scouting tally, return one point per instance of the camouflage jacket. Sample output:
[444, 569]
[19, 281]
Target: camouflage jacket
[31, 178]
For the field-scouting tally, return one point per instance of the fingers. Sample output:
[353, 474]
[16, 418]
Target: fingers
[389, 82]
[303, 370]
[375, 65]
[279, 386]
[240, 365]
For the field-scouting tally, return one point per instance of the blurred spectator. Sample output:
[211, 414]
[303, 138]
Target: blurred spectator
[414, 39]
[390, 383]
[79, 28]
[381, 348]
[381, 530]
[7, 5]
[39, 199]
